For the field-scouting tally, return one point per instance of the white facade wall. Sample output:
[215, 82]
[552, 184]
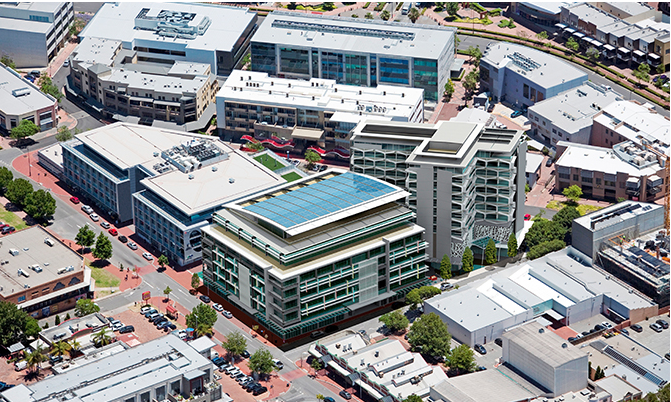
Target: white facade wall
[571, 376]
[26, 49]
[529, 364]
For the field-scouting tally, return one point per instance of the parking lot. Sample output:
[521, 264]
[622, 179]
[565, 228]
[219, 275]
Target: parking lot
[145, 331]
[658, 342]
[588, 324]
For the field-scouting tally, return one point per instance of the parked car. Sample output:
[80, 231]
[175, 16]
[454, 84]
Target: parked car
[624, 331]
[549, 162]
[607, 325]
[144, 309]
[446, 286]
[55, 359]
[218, 361]
[315, 167]
[163, 324]
[527, 217]
[155, 317]
[279, 364]
[345, 395]
[599, 327]
[499, 342]
[329, 399]
[218, 307]
[656, 327]
[66, 63]
[8, 229]
[74, 200]
[94, 217]
[122, 239]
[87, 209]
[147, 256]
[150, 312]
[262, 389]
[204, 299]
[480, 349]
[131, 245]
[323, 168]
[251, 385]
[5, 386]
[227, 314]
[169, 327]
[243, 379]
[126, 329]
[572, 339]
[245, 354]
[117, 326]
[662, 324]
[105, 225]
[516, 113]
[151, 316]
[113, 232]
[36, 73]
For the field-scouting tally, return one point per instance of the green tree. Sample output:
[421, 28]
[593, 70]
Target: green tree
[35, 358]
[452, 8]
[660, 69]
[543, 230]
[593, 54]
[312, 157]
[60, 348]
[413, 14]
[85, 236]
[395, 320]
[6, 60]
[427, 292]
[6, 177]
[542, 36]
[470, 82]
[12, 323]
[449, 89]
[17, 192]
[328, 6]
[40, 205]
[565, 217]
[490, 252]
[204, 329]
[102, 337]
[429, 336]
[67, 316]
[85, 307]
[201, 314]
[256, 146]
[195, 282]
[167, 292]
[545, 247]
[512, 245]
[320, 397]
[385, 15]
[445, 267]
[413, 299]
[660, 396]
[261, 362]
[235, 344]
[413, 398]
[48, 87]
[642, 73]
[572, 44]
[467, 260]
[573, 193]
[103, 248]
[461, 359]
[162, 261]
[527, 188]
[317, 364]
[474, 54]
[75, 347]
[57, 320]
[369, 16]
[64, 134]
[31, 327]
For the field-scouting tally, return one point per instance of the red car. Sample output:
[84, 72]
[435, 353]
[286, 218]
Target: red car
[74, 200]
[113, 232]
[527, 217]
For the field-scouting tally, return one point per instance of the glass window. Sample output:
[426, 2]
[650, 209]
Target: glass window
[294, 61]
[356, 69]
[525, 91]
[425, 75]
[332, 66]
[174, 387]
[263, 58]
[394, 71]
[160, 393]
[144, 397]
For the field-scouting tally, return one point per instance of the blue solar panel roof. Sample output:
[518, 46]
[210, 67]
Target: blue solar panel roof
[320, 199]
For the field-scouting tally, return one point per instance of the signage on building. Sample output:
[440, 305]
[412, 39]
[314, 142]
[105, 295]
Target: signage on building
[146, 295]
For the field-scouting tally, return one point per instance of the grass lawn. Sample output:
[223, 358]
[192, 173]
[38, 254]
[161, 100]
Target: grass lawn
[103, 278]
[555, 205]
[11, 219]
[585, 209]
[289, 177]
[269, 162]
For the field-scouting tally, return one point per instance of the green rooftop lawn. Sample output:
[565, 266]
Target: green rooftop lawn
[269, 162]
[10, 218]
[289, 177]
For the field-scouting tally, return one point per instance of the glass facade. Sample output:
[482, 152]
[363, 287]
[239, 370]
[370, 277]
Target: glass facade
[394, 71]
[295, 61]
[356, 69]
[425, 75]
[263, 58]
[332, 66]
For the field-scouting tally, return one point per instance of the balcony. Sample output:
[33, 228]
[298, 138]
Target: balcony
[212, 392]
[277, 129]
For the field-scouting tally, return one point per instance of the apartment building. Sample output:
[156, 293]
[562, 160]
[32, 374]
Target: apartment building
[31, 33]
[20, 99]
[41, 275]
[630, 121]
[315, 252]
[522, 76]
[568, 116]
[355, 51]
[317, 111]
[169, 183]
[164, 33]
[465, 181]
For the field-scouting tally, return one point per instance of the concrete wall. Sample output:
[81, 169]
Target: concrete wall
[529, 364]
[571, 376]
[26, 49]
[581, 310]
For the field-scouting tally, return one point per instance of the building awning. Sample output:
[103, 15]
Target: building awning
[579, 35]
[587, 39]
[560, 26]
[307, 133]
[346, 117]
[371, 391]
[653, 56]
[623, 50]
[569, 30]
[639, 53]
[166, 103]
[555, 315]
[17, 347]
[596, 43]
[171, 309]
[608, 47]
[338, 368]
[457, 64]
[194, 374]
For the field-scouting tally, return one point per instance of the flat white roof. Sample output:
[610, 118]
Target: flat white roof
[544, 344]
[586, 221]
[533, 162]
[598, 159]
[639, 121]
[158, 83]
[33, 100]
[96, 50]
[587, 12]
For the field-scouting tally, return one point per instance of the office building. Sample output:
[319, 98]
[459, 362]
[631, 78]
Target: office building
[41, 275]
[384, 370]
[166, 368]
[314, 252]
[168, 182]
[306, 113]
[627, 171]
[543, 14]
[568, 116]
[630, 121]
[561, 287]
[465, 181]
[20, 99]
[111, 80]
[355, 51]
[165, 33]
[32, 33]
[522, 76]
[546, 358]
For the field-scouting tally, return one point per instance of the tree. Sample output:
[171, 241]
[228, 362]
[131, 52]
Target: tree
[545, 247]
[512, 245]
[413, 14]
[445, 267]
[385, 15]
[312, 157]
[6, 60]
[256, 146]
[573, 193]
[102, 337]
[6, 177]
[75, 347]
[449, 89]
[34, 358]
[642, 73]
[317, 364]
[565, 217]
[67, 316]
[328, 6]
[429, 335]
[167, 292]
[427, 292]
[470, 82]
[85, 307]
[395, 320]
[195, 282]
[162, 261]
[57, 320]
[461, 359]
[64, 134]
[660, 69]
[60, 348]
[490, 252]
[48, 87]
[660, 396]
[467, 260]
[85, 237]
[201, 314]
[103, 248]
[572, 44]
[543, 230]
[31, 328]
[413, 398]
[369, 16]
[261, 362]
[40, 204]
[17, 191]
[542, 36]
[413, 299]
[12, 323]
[204, 329]
[593, 54]
[320, 397]
[452, 8]
[235, 344]
[475, 55]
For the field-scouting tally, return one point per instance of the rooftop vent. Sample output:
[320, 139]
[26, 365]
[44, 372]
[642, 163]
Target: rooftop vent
[564, 345]
[190, 177]
[541, 330]
[214, 168]
[231, 180]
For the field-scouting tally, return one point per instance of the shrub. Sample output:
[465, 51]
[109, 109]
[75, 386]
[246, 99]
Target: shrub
[545, 248]
[366, 5]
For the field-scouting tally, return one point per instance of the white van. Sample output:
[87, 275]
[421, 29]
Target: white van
[13, 252]
[21, 365]
[49, 242]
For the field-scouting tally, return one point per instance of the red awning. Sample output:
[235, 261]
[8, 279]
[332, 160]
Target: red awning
[171, 309]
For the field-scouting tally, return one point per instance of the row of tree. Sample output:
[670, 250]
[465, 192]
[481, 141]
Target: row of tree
[38, 204]
[86, 237]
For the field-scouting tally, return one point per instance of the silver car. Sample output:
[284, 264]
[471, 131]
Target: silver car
[132, 245]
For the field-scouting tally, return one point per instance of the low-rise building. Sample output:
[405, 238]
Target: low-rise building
[80, 328]
[533, 169]
[255, 104]
[40, 274]
[503, 384]
[314, 252]
[630, 121]
[166, 368]
[20, 99]
[568, 116]
[522, 76]
[32, 33]
[543, 14]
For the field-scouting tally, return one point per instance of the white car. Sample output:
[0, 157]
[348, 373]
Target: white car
[227, 314]
[94, 217]
[117, 326]
[148, 256]
[105, 225]
[87, 209]
[218, 307]
[607, 325]
[132, 245]
[181, 334]
[144, 309]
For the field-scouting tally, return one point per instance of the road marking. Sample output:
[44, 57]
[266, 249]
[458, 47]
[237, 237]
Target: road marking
[149, 284]
[189, 272]
[131, 293]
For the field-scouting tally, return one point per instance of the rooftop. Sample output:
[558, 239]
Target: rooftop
[534, 161]
[69, 328]
[49, 262]
[618, 387]
[159, 83]
[615, 214]
[46, 7]
[96, 50]
[537, 66]
[587, 12]
[210, 27]
[598, 159]
[544, 344]
[500, 387]
[572, 110]
[19, 96]
[349, 34]
[639, 122]
[549, 7]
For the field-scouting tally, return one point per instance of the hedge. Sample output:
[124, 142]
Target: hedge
[366, 5]
[546, 247]
[477, 7]
[398, 7]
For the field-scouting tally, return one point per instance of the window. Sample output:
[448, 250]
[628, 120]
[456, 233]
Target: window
[575, 177]
[144, 397]
[21, 299]
[554, 131]
[586, 179]
[174, 387]
[525, 91]
[598, 182]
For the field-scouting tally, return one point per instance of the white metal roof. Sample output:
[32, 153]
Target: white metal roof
[10, 105]
[544, 344]
[598, 159]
